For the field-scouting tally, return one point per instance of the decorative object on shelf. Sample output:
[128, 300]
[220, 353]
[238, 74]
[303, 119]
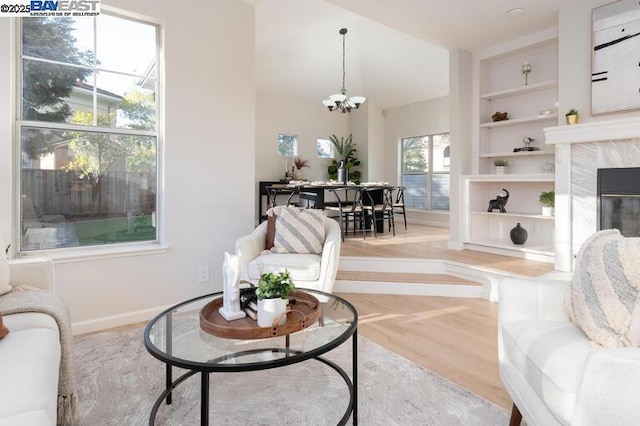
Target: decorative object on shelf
[572, 116]
[527, 145]
[339, 101]
[230, 309]
[499, 202]
[500, 165]
[299, 163]
[548, 167]
[272, 293]
[548, 201]
[518, 235]
[526, 69]
[500, 116]
[548, 111]
[345, 148]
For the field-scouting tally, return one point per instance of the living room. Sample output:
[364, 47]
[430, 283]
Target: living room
[218, 141]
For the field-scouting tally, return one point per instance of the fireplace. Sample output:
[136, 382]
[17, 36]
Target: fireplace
[619, 200]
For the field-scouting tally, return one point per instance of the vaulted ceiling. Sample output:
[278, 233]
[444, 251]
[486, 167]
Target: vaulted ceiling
[396, 50]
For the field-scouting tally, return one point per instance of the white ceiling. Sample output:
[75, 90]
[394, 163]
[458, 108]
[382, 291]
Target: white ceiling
[396, 50]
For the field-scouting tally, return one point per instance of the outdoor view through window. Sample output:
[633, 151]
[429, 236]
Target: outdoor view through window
[88, 132]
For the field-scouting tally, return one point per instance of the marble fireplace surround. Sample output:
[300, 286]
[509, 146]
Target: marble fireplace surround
[581, 150]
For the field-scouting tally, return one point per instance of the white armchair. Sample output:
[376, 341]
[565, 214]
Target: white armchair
[307, 270]
[553, 373]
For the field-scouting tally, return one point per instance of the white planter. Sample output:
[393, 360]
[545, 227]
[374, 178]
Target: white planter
[547, 211]
[500, 170]
[269, 309]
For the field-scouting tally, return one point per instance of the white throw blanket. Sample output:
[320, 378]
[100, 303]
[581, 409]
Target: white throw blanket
[21, 300]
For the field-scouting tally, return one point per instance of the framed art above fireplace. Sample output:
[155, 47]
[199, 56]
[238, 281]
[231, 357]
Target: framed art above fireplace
[615, 71]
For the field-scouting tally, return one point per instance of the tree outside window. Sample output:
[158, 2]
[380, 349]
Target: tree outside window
[287, 145]
[92, 178]
[425, 171]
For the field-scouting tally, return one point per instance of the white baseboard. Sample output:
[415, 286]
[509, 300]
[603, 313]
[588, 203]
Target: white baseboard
[103, 323]
[144, 315]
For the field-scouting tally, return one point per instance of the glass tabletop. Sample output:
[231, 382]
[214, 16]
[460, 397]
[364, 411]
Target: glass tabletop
[175, 337]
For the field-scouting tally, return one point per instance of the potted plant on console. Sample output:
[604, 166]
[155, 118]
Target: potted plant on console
[548, 201]
[273, 296]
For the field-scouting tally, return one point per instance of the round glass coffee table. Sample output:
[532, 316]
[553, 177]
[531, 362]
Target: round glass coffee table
[176, 338]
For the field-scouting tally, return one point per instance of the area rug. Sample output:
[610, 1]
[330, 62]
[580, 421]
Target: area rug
[118, 382]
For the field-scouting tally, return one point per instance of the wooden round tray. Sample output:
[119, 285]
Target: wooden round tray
[301, 314]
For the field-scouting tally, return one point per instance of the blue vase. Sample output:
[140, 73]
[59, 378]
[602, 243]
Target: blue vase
[518, 235]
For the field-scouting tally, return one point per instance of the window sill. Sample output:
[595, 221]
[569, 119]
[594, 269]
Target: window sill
[84, 254]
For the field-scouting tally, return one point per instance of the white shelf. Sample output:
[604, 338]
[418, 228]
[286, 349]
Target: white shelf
[515, 121]
[520, 215]
[511, 178]
[545, 250]
[520, 90]
[518, 154]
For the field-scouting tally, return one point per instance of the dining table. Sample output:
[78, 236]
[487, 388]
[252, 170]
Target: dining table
[320, 188]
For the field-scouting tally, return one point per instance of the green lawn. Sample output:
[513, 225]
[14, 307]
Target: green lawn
[115, 230]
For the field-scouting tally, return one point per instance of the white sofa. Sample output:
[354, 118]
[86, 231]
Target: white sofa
[312, 271]
[553, 373]
[29, 358]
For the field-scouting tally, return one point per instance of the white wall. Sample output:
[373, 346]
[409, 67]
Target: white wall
[308, 121]
[375, 157]
[421, 118]
[209, 154]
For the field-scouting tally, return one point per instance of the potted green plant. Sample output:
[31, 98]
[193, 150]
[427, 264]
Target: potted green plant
[548, 201]
[572, 116]
[345, 148]
[273, 296]
[500, 165]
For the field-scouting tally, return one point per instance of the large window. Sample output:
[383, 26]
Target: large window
[425, 172]
[88, 131]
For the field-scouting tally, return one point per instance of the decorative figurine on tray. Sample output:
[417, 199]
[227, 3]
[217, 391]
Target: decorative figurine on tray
[230, 309]
[499, 202]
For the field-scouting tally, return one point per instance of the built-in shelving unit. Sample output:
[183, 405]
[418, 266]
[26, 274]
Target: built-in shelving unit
[531, 105]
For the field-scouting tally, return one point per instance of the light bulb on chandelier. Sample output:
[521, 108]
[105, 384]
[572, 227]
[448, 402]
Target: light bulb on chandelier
[339, 101]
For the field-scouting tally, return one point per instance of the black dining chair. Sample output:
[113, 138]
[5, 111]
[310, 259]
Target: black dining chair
[306, 199]
[398, 202]
[274, 191]
[348, 209]
[378, 204]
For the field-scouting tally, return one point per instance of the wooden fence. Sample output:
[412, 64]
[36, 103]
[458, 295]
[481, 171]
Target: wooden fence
[58, 192]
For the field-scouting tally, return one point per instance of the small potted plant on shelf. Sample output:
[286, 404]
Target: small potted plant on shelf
[572, 116]
[273, 296]
[500, 164]
[548, 201]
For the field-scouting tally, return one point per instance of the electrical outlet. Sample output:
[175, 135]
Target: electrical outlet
[203, 274]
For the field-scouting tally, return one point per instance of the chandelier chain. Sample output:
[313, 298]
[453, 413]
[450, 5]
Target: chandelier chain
[343, 64]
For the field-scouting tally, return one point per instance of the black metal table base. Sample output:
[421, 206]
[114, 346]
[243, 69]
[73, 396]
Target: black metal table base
[351, 382]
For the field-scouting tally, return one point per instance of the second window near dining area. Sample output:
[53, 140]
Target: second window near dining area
[425, 171]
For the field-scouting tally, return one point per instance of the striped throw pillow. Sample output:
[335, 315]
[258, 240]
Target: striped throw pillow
[603, 299]
[299, 231]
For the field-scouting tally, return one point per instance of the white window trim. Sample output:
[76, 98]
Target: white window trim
[87, 253]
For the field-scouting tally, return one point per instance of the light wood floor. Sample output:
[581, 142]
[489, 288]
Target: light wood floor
[453, 337]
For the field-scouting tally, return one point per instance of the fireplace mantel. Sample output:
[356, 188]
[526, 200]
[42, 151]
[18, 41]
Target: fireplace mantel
[580, 150]
[595, 131]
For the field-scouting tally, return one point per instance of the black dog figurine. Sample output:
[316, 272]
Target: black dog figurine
[499, 202]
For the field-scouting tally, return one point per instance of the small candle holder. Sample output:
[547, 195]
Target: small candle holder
[526, 69]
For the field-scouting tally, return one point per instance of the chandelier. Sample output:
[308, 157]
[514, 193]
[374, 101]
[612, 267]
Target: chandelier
[339, 101]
